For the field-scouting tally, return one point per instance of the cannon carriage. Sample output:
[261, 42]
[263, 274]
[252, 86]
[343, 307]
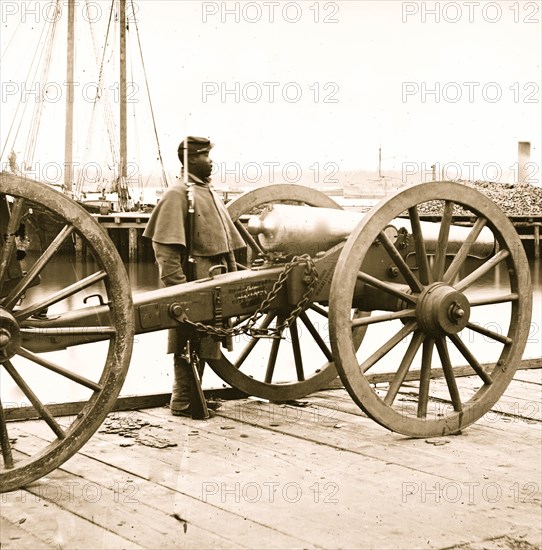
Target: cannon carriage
[313, 284]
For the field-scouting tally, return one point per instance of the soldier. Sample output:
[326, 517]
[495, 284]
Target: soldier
[209, 237]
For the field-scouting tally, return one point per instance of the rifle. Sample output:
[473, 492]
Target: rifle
[197, 398]
[191, 215]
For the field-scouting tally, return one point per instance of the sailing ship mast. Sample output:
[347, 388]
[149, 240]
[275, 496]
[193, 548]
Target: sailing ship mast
[73, 181]
[68, 132]
[122, 187]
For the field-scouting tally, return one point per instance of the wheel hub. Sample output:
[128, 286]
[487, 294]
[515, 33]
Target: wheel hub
[442, 310]
[10, 336]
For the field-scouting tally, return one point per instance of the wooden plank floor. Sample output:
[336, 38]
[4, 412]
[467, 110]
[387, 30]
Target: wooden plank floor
[262, 475]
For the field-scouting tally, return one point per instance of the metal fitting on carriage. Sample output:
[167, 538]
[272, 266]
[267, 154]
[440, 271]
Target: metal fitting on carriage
[177, 312]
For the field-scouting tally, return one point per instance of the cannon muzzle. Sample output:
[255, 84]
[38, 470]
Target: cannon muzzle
[304, 230]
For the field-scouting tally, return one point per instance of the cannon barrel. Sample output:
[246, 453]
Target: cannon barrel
[302, 230]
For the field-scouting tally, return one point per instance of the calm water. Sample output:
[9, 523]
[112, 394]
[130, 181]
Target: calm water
[150, 368]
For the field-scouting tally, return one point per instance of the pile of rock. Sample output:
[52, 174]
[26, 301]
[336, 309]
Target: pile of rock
[512, 199]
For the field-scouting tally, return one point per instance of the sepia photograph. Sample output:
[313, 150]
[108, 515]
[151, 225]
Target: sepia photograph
[270, 274]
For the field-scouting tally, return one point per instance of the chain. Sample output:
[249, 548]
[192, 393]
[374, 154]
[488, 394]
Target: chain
[276, 332]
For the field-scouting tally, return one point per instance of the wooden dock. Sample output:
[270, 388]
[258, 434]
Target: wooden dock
[313, 474]
[125, 230]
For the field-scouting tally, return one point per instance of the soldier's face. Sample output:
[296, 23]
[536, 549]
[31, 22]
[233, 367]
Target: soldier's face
[200, 165]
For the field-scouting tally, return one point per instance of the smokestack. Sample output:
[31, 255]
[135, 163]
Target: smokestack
[524, 157]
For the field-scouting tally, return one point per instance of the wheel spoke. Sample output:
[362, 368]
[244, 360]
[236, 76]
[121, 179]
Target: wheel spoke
[316, 336]
[490, 334]
[9, 240]
[402, 371]
[399, 261]
[463, 252]
[497, 299]
[13, 297]
[419, 245]
[482, 270]
[273, 355]
[319, 310]
[442, 242]
[21, 315]
[4, 440]
[248, 238]
[425, 376]
[388, 346]
[297, 351]
[364, 321]
[253, 341]
[472, 361]
[33, 398]
[386, 287]
[449, 374]
[59, 370]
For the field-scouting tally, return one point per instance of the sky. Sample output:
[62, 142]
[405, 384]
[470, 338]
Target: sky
[301, 90]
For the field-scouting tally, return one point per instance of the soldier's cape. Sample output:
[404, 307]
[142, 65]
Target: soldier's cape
[214, 230]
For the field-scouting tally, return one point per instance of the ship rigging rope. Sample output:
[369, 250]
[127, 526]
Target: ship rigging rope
[108, 114]
[39, 107]
[136, 132]
[27, 80]
[50, 32]
[164, 177]
[105, 103]
[11, 39]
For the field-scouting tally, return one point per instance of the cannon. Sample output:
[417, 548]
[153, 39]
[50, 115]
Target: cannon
[313, 282]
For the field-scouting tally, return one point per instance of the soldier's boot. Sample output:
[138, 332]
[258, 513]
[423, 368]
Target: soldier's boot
[182, 387]
[187, 398]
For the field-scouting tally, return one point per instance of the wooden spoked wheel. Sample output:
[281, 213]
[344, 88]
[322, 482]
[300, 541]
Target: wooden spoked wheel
[301, 362]
[445, 323]
[69, 391]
